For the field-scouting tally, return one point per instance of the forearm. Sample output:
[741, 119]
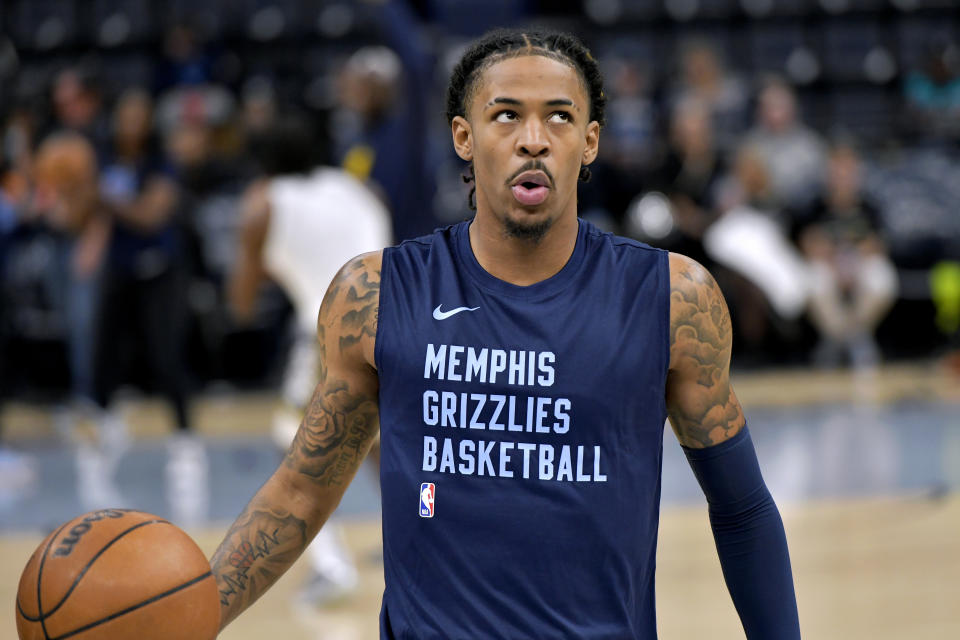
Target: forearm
[752, 547]
[264, 541]
[750, 538]
[338, 427]
[286, 513]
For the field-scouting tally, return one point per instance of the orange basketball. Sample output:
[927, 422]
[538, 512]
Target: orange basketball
[113, 574]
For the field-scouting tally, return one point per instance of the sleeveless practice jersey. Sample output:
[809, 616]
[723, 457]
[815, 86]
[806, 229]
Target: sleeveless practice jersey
[317, 223]
[521, 432]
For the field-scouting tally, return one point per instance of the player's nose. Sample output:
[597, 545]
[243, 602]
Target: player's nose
[533, 140]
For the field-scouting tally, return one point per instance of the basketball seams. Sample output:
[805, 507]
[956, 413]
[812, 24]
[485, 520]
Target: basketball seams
[41, 616]
[43, 560]
[115, 601]
[139, 605]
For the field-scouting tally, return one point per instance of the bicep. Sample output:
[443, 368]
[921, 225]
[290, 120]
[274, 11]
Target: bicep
[701, 403]
[342, 420]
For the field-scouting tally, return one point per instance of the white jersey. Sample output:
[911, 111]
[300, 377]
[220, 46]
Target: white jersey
[317, 223]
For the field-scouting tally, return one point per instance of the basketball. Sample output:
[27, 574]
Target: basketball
[113, 574]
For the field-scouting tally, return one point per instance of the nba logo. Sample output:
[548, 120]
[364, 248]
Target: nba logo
[427, 493]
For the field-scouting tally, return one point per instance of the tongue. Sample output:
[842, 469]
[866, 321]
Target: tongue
[533, 196]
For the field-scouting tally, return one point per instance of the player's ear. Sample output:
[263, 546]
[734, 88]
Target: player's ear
[593, 142]
[462, 138]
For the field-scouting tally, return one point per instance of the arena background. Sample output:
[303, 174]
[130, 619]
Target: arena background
[861, 448]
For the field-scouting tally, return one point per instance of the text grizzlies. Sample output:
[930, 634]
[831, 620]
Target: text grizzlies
[471, 412]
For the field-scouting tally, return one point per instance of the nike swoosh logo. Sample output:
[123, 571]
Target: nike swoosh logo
[443, 315]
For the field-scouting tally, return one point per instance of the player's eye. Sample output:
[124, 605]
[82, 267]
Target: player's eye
[506, 116]
[559, 116]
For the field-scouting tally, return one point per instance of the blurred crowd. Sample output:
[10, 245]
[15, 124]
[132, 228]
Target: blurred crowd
[819, 181]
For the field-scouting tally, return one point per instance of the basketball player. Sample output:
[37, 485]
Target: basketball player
[300, 224]
[520, 368]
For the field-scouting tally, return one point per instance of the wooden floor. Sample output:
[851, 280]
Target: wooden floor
[885, 569]
[878, 568]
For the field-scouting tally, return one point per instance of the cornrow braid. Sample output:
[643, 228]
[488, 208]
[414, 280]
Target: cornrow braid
[508, 43]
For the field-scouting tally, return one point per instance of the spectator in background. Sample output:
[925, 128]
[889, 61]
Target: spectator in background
[78, 105]
[704, 78]
[629, 152]
[690, 175]
[632, 115]
[853, 282]
[67, 164]
[185, 60]
[68, 200]
[258, 107]
[191, 121]
[18, 140]
[387, 90]
[933, 93]
[793, 154]
[763, 276]
[193, 124]
[142, 303]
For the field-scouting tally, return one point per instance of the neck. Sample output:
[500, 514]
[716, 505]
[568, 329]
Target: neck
[522, 261]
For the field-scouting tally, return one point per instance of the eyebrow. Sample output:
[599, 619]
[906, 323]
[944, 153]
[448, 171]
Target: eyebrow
[565, 102]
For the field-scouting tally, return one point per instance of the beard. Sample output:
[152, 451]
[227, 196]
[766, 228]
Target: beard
[531, 232]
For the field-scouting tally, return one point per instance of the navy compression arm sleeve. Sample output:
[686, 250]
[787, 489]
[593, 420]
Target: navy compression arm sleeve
[750, 538]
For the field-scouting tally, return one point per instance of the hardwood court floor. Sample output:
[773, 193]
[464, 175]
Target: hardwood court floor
[883, 565]
[878, 569]
[883, 569]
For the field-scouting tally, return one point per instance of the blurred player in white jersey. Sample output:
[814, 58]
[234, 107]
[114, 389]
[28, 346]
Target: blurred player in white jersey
[300, 223]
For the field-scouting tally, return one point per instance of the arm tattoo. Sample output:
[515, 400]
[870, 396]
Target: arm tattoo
[334, 437]
[702, 405]
[341, 420]
[361, 320]
[257, 549]
[335, 434]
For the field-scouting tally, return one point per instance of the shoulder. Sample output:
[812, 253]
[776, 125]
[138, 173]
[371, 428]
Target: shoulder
[692, 286]
[686, 274]
[360, 273]
[350, 309]
[698, 312]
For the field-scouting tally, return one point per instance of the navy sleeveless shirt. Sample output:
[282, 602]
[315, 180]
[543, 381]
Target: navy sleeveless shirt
[521, 434]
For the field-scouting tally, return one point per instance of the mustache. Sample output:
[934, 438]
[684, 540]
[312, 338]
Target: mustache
[531, 165]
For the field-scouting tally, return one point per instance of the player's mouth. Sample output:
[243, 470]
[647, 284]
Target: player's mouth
[530, 188]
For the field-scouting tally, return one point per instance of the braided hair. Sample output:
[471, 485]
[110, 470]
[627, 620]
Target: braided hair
[508, 43]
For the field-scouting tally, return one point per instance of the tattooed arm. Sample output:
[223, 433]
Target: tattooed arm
[709, 423]
[338, 428]
[703, 408]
